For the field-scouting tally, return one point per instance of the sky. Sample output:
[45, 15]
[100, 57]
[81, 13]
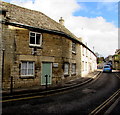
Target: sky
[95, 21]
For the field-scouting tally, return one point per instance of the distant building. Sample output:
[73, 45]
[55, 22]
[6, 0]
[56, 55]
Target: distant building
[116, 60]
[108, 59]
[100, 62]
[33, 47]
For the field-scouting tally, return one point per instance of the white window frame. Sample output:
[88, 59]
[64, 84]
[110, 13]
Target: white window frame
[33, 69]
[66, 68]
[35, 45]
[73, 47]
[73, 68]
[83, 66]
[86, 65]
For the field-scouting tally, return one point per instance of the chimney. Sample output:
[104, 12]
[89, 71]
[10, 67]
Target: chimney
[3, 15]
[3, 12]
[61, 21]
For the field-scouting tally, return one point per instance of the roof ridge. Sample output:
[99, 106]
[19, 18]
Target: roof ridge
[57, 25]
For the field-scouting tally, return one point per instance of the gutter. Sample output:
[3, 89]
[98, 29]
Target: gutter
[45, 30]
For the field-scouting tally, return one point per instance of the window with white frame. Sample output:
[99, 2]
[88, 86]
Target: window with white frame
[82, 50]
[66, 68]
[27, 68]
[73, 47]
[86, 66]
[73, 68]
[35, 39]
[82, 65]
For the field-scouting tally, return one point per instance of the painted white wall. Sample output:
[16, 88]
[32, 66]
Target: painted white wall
[89, 61]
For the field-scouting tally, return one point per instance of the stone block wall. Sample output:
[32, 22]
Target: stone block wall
[55, 49]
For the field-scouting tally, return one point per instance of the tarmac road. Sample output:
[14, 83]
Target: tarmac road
[78, 101]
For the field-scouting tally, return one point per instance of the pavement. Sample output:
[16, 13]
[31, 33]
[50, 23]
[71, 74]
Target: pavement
[72, 83]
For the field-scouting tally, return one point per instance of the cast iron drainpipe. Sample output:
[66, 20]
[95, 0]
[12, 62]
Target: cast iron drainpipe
[3, 63]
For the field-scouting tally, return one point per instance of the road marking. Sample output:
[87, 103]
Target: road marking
[20, 99]
[112, 107]
[45, 92]
[117, 75]
[100, 107]
[33, 97]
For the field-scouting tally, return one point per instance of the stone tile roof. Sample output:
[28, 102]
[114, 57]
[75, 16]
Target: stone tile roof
[33, 18]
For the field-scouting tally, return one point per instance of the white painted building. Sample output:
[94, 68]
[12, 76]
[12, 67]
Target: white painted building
[89, 61]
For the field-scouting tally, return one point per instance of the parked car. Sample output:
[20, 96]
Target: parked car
[109, 65]
[107, 68]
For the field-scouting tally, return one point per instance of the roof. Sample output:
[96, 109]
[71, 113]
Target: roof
[117, 51]
[33, 18]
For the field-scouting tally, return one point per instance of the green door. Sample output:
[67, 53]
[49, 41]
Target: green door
[46, 72]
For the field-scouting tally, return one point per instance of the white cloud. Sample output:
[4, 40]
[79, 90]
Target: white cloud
[96, 32]
[97, 0]
[53, 8]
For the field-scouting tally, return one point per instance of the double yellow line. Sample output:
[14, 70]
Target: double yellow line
[105, 103]
[117, 75]
[46, 94]
[59, 91]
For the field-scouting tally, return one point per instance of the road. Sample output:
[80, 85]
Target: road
[78, 101]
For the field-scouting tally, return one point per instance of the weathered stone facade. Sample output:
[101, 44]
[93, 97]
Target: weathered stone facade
[56, 49]
[116, 60]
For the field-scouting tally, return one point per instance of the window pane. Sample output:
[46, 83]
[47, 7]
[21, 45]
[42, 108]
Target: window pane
[30, 68]
[30, 71]
[24, 68]
[82, 65]
[32, 34]
[38, 39]
[32, 40]
[66, 66]
[73, 68]
[66, 69]
[24, 72]
[30, 65]
[73, 47]
[24, 65]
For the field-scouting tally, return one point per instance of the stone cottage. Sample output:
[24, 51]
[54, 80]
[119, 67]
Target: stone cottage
[116, 60]
[34, 47]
